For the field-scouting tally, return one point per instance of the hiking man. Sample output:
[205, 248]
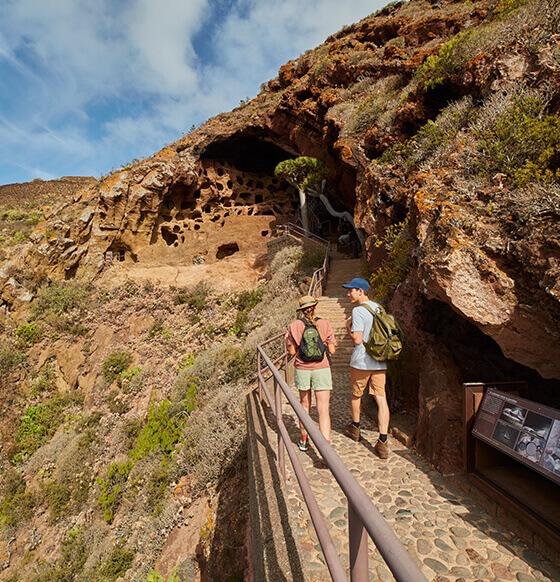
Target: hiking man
[364, 370]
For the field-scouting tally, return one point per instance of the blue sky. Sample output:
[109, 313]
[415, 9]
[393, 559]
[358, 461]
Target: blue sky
[88, 85]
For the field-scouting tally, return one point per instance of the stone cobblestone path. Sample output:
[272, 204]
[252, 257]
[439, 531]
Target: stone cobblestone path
[449, 535]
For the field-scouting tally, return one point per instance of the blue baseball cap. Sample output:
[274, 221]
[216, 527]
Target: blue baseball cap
[358, 284]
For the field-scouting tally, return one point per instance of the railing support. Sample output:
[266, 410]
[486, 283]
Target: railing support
[259, 375]
[279, 421]
[358, 547]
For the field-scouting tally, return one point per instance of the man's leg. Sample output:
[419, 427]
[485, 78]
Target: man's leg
[358, 382]
[382, 414]
[377, 390]
[355, 407]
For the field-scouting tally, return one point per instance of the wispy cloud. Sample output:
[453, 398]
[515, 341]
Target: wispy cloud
[87, 85]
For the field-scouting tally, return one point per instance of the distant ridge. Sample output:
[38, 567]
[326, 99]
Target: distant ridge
[23, 192]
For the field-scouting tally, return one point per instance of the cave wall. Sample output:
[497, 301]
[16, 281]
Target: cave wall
[442, 352]
[223, 206]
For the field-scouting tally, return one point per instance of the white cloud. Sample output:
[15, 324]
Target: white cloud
[93, 79]
[161, 34]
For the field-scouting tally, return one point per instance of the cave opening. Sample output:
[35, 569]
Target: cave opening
[227, 250]
[247, 154]
[480, 358]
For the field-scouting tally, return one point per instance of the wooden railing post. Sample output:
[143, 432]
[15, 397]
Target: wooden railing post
[358, 547]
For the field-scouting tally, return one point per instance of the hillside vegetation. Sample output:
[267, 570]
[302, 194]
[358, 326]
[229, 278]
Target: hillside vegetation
[121, 400]
[122, 417]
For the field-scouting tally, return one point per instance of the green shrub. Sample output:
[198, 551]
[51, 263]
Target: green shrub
[131, 430]
[10, 358]
[450, 58]
[39, 423]
[20, 237]
[115, 404]
[16, 504]
[196, 298]
[60, 297]
[506, 7]
[155, 577]
[313, 260]
[398, 264]
[187, 362]
[161, 432]
[246, 301]
[14, 214]
[118, 563]
[29, 334]
[112, 488]
[66, 496]
[45, 381]
[433, 136]
[115, 364]
[130, 378]
[70, 564]
[522, 142]
[158, 483]
[240, 365]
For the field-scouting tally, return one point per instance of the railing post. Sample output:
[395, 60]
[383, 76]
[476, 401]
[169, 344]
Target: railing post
[259, 375]
[358, 547]
[279, 419]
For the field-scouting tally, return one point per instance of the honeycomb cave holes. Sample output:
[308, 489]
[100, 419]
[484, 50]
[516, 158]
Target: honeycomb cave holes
[169, 236]
[227, 250]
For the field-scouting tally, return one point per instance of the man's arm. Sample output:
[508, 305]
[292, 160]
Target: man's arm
[355, 336]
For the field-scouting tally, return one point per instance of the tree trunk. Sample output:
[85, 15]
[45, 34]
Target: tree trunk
[303, 205]
[346, 215]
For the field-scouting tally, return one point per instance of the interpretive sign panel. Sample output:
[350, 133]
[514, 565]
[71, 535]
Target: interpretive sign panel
[525, 430]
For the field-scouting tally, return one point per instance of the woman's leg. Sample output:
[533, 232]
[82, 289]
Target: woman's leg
[323, 398]
[305, 399]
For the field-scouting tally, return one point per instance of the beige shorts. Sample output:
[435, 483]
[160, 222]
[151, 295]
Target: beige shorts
[361, 378]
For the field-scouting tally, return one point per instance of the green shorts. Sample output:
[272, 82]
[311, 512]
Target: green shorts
[313, 379]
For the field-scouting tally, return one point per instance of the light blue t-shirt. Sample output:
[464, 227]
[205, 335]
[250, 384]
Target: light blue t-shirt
[362, 320]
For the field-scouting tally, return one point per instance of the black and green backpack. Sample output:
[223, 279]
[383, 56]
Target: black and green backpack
[311, 347]
[386, 338]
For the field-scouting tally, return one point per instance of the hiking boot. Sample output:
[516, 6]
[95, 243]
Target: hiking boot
[353, 432]
[302, 445]
[381, 449]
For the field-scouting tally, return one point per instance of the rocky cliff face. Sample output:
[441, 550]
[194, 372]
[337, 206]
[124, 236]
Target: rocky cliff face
[441, 114]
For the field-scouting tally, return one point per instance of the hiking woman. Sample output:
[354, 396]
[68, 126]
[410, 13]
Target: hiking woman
[312, 366]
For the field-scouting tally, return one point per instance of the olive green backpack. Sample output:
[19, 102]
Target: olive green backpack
[386, 337]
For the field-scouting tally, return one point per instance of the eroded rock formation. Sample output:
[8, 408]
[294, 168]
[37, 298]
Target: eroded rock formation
[401, 135]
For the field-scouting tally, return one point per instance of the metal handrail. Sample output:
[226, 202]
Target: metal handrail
[319, 278]
[363, 516]
[292, 228]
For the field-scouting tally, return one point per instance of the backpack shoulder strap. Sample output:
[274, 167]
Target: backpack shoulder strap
[371, 310]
